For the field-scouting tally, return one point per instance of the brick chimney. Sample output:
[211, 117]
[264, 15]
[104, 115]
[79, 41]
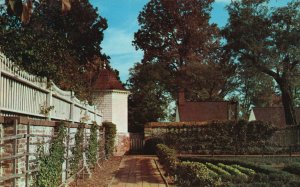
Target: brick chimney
[181, 98]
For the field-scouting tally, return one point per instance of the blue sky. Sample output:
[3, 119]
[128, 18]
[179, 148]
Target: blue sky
[122, 24]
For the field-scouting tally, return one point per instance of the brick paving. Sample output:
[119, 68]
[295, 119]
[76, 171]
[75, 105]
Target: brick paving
[137, 171]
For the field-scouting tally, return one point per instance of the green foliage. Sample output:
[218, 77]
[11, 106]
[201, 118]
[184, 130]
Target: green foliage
[255, 89]
[50, 165]
[235, 172]
[64, 48]
[263, 173]
[221, 172]
[77, 150]
[167, 157]
[201, 171]
[247, 171]
[176, 59]
[92, 149]
[173, 44]
[218, 137]
[293, 168]
[195, 174]
[149, 100]
[110, 138]
[271, 49]
[150, 145]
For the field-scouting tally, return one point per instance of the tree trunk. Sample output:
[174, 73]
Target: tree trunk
[287, 101]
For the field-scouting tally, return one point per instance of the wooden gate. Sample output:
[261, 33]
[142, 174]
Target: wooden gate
[136, 142]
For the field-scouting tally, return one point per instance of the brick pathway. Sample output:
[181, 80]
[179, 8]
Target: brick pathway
[137, 171]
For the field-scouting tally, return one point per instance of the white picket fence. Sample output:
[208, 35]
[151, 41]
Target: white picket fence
[23, 94]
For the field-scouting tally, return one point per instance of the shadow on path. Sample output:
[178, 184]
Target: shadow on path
[138, 171]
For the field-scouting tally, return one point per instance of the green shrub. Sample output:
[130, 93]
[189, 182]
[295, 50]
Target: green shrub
[167, 157]
[219, 137]
[110, 137]
[247, 171]
[92, 149]
[240, 177]
[224, 174]
[50, 165]
[77, 150]
[150, 145]
[293, 168]
[194, 175]
[263, 173]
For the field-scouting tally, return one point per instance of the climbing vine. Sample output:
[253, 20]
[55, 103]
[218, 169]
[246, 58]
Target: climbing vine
[93, 145]
[77, 151]
[50, 165]
[110, 136]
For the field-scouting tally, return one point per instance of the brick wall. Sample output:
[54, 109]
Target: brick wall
[40, 131]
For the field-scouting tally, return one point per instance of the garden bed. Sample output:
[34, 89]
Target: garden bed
[231, 170]
[253, 171]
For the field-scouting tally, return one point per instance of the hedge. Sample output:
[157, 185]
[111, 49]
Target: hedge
[110, 137]
[195, 174]
[167, 157]
[293, 168]
[263, 173]
[233, 137]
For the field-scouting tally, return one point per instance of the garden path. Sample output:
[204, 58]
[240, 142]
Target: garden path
[138, 171]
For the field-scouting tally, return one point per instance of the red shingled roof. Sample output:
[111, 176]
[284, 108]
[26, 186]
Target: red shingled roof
[274, 115]
[107, 80]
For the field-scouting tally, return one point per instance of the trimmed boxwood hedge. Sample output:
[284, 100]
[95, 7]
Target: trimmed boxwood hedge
[196, 171]
[219, 137]
[195, 174]
[263, 173]
[167, 157]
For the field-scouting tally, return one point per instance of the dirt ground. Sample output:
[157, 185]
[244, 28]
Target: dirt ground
[101, 176]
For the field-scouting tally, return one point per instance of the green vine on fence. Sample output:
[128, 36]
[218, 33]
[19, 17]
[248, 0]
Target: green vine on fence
[50, 164]
[93, 145]
[77, 151]
[110, 136]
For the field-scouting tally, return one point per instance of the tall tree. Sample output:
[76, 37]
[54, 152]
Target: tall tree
[148, 100]
[267, 39]
[255, 90]
[178, 36]
[64, 48]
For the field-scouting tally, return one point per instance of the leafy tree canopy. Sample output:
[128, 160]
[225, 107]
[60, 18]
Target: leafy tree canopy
[267, 39]
[149, 101]
[178, 36]
[64, 48]
[181, 51]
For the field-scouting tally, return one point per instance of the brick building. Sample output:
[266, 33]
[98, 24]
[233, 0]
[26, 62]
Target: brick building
[187, 111]
[275, 115]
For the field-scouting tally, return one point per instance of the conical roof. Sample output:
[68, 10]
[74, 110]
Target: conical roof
[107, 80]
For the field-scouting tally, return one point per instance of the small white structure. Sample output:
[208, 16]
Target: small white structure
[111, 98]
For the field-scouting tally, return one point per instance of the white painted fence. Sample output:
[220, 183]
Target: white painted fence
[28, 95]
